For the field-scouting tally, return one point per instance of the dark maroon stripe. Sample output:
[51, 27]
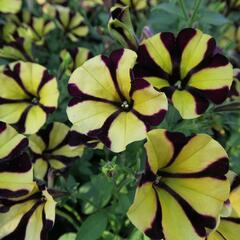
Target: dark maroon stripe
[47, 226]
[17, 150]
[44, 134]
[211, 47]
[7, 101]
[236, 183]
[47, 109]
[19, 164]
[20, 231]
[15, 75]
[156, 230]
[153, 120]
[102, 133]
[112, 65]
[216, 170]
[231, 219]
[184, 37]
[201, 103]
[146, 66]
[20, 125]
[3, 127]
[199, 222]
[178, 140]
[76, 92]
[117, 13]
[46, 77]
[76, 139]
[18, 44]
[217, 95]
[6, 193]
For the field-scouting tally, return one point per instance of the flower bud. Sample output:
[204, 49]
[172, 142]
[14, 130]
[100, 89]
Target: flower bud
[120, 27]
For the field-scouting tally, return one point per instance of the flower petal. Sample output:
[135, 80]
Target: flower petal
[149, 104]
[190, 104]
[194, 46]
[95, 114]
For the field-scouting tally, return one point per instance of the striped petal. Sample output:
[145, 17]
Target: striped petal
[190, 104]
[28, 95]
[187, 184]
[194, 46]
[28, 219]
[16, 178]
[11, 143]
[50, 149]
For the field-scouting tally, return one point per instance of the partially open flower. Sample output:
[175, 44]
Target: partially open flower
[110, 104]
[50, 149]
[17, 49]
[77, 57]
[10, 6]
[27, 211]
[184, 183]
[187, 68]
[27, 94]
[229, 227]
[71, 22]
[120, 27]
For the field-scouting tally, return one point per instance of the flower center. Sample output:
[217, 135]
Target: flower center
[178, 84]
[157, 180]
[35, 100]
[125, 105]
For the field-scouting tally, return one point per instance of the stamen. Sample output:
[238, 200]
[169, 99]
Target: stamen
[125, 105]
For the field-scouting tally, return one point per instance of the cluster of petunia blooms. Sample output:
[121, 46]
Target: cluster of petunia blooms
[186, 191]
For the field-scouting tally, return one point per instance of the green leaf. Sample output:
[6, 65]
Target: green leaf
[214, 18]
[96, 193]
[68, 236]
[93, 227]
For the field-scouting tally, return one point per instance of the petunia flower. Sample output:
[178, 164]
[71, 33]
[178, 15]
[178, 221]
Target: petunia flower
[121, 28]
[72, 23]
[27, 210]
[187, 68]
[229, 227]
[27, 94]
[50, 149]
[77, 57]
[182, 191]
[110, 104]
[12, 6]
[26, 25]
[17, 49]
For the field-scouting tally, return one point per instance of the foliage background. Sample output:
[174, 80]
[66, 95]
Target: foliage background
[101, 185]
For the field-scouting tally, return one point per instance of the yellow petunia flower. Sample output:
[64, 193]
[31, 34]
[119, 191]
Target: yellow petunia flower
[188, 68]
[110, 104]
[28, 94]
[182, 191]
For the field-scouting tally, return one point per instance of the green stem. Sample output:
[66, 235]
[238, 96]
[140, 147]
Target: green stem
[195, 11]
[183, 7]
[68, 218]
[74, 212]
